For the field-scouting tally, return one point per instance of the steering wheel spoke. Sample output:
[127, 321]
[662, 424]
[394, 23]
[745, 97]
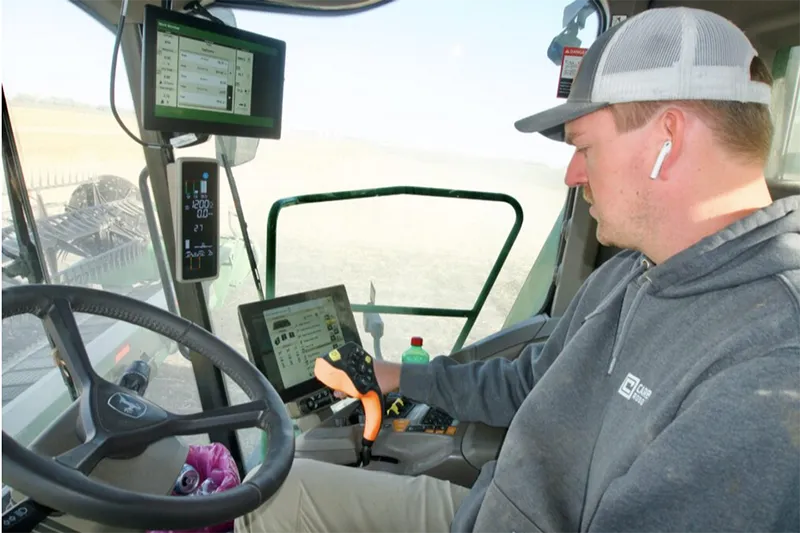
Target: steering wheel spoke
[243, 416]
[122, 442]
[59, 322]
[84, 457]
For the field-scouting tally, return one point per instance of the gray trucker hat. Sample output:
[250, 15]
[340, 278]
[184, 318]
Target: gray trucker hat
[675, 53]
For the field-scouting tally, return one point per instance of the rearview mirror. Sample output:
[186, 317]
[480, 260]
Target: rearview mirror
[237, 150]
[568, 38]
[572, 10]
[573, 21]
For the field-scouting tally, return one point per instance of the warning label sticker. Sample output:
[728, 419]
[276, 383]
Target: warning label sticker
[570, 61]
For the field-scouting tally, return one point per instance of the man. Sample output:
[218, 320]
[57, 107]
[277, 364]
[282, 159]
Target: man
[668, 396]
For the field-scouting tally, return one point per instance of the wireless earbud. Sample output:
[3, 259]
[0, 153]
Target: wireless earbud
[662, 155]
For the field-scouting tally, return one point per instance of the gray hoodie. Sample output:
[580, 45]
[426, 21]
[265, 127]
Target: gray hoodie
[667, 398]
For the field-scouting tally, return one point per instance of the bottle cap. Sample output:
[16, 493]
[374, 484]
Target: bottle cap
[416, 341]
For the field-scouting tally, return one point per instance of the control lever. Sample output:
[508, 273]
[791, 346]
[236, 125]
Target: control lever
[349, 369]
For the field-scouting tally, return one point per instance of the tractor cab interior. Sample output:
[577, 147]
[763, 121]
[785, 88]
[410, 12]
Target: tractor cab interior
[148, 315]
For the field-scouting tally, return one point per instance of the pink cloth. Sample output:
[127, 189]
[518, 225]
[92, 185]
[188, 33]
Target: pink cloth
[214, 463]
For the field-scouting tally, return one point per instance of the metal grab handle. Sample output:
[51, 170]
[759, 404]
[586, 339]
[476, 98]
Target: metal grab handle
[161, 262]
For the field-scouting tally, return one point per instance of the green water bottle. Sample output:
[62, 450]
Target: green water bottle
[416, 354]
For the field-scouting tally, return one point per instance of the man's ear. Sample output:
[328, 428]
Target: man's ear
[671, 126]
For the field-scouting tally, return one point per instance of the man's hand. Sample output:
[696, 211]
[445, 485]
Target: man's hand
[387, 374]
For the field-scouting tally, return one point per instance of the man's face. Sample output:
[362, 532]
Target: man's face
[610, 168]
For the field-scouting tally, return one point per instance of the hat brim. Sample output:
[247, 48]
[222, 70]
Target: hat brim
[550, 123]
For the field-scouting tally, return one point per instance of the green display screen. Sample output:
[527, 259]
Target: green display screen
[209, 81]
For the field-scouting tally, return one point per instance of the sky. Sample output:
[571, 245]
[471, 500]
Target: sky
[449, 75]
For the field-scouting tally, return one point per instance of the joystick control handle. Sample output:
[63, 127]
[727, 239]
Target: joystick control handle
[350, 369]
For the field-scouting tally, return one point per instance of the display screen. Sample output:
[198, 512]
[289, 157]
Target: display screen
[202, 77]
[286, 335]
[199, 238]
[299, 334]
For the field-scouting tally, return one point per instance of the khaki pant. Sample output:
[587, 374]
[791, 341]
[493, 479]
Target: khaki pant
[320, 496]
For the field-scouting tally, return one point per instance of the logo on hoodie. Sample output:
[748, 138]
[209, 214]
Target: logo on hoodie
[632, 389]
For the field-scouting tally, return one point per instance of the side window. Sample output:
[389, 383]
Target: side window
[81, 172]
[784, 162]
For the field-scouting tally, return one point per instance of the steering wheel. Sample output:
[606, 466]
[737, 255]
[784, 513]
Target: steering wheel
[119, 423]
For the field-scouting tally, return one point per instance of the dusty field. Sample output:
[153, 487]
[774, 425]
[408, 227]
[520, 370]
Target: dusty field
[417, 251]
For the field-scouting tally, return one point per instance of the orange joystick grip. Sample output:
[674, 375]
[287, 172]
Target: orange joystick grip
[349, 369]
